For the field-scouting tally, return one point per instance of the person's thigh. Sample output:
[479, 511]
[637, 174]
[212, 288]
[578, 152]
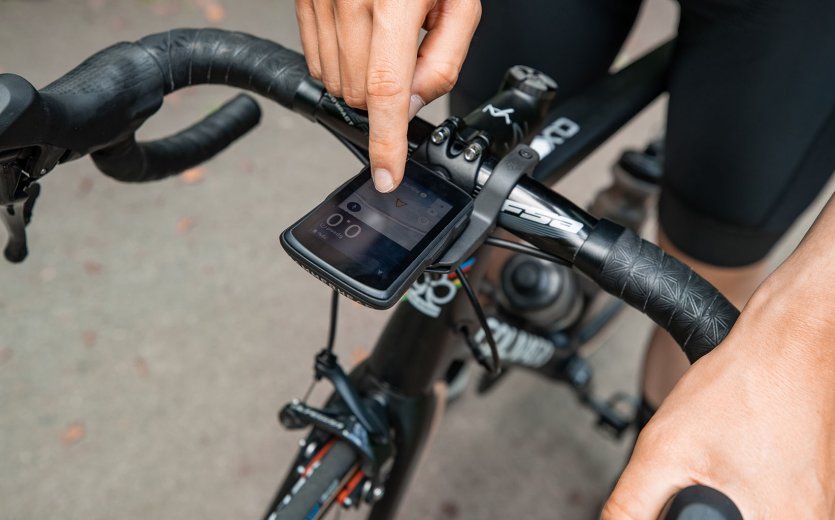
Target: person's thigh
[751, 124]
[573, 41]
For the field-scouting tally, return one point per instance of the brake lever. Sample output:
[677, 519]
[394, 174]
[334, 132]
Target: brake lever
[18, 194]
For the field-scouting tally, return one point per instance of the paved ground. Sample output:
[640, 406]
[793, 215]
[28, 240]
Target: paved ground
[149, 339]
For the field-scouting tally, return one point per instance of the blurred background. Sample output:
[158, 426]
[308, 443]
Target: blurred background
[154, 331]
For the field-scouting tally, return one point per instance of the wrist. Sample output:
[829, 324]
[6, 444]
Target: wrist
[789, 325]
[794, 299]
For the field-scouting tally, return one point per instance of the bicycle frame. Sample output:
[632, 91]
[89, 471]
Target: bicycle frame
[96, 107]
[422, 339]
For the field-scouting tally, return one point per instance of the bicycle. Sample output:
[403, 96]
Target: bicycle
[363, 444]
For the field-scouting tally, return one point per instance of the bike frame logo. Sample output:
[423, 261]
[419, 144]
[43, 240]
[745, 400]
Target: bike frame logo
[515, 345]
[499, 112]
[429, 294]
[554, 135]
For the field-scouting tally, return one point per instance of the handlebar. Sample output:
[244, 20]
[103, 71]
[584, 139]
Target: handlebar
[620, 262]
[98, 106]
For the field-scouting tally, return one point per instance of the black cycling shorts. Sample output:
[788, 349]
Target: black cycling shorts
[750, 137]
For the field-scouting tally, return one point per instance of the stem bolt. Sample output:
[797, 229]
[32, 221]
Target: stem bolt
[473, 152]
[440, 134]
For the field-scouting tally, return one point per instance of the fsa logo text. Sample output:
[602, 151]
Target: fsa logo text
[541, 217]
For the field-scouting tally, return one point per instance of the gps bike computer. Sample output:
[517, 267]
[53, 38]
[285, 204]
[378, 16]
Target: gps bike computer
[371, 246]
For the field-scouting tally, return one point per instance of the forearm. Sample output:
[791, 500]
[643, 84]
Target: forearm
[804, 285]
[792, 315]
[756, 417]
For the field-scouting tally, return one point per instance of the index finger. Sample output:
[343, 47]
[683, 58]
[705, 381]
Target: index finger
[646, 484]
[391, 67]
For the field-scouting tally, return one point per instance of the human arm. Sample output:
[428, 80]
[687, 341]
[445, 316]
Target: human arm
[368, 53]
[756, 417]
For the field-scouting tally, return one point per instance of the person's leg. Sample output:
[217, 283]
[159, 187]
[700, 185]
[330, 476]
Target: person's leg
[573, 41]
[750, 129]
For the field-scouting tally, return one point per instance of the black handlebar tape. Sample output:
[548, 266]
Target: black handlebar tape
[701, 503]
[200, 56]
[102, 102]
[130, 161]
[694, 312]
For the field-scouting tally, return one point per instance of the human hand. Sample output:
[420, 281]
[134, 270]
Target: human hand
[755, 418]
[368, 53]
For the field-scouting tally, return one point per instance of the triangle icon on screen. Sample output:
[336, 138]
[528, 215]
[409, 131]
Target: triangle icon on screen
[399, 203]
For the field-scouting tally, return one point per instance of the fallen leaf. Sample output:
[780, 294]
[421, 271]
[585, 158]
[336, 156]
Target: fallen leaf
[174, 98]
[192, 175]
[117, 23]
[47, 274]
[185, 224]
[5, 354]
[142, 367]
[214, 12]
[245, 469]
[74, 433]
[91, 267]
[248, 166]
[450, 509]
[576, 498]
[358, 355]
[85, 185]
[88, 338]
[161, 8]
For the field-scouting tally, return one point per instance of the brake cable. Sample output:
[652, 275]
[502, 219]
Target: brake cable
[495, 367]
[332, 328]
[516, 247]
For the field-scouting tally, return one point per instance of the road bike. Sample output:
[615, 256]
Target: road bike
[545, 301]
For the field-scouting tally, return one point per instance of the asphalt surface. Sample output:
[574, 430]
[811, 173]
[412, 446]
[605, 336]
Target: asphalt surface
[155, 330]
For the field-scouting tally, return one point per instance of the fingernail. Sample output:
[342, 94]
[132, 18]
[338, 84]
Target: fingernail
[383, 180]
[415, 104]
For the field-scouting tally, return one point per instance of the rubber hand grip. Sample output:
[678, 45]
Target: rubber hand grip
[694, 312]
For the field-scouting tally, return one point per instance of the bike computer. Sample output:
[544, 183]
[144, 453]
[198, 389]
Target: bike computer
[371, 246]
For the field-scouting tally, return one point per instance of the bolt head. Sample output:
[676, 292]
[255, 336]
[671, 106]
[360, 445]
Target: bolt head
[472, 152]
[439, 135]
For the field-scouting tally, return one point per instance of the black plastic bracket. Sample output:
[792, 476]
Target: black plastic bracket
[488, 204]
